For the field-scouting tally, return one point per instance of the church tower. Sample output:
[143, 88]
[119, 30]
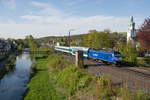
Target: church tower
[131, 34]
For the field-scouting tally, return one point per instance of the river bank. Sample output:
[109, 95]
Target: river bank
[55, 78]
[6, 64]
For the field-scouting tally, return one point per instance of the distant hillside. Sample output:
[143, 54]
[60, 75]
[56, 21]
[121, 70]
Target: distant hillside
[50, 38]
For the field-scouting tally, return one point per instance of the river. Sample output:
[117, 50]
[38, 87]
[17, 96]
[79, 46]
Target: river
[13, 84]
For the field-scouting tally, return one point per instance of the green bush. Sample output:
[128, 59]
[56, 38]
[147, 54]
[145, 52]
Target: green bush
[33, 69]
[58, 79]
[128, 53]
[143, 62]
[58, 62]
[147, 60]
[104, 88]
[73, 79]
[68, 75]
[126, 94]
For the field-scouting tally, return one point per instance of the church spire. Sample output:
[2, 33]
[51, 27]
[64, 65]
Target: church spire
[132, 24]
[132, 19]
[131, 34]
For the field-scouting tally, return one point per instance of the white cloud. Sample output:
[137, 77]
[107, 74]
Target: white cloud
[97, 22]
[47, 8]
[42, 19]
[73, 2]
[52, 21]
[9, 3]
[61, 27]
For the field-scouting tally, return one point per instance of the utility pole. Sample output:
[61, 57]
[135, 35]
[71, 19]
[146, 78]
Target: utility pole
[69, 36]
[69, 39]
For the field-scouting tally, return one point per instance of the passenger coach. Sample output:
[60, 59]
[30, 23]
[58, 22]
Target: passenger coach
[104, 55]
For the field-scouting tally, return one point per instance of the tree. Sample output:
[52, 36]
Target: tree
[128, 53]
[144, 35]
[20, 47]
[107, 30]
[99, 40]
[92, 38]
[32, 44]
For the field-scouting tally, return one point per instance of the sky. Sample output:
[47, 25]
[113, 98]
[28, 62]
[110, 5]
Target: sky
[40, 18]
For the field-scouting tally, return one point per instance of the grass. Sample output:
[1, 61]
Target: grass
[144, 62]
[55, 78]
[126, 94]
[41, 87]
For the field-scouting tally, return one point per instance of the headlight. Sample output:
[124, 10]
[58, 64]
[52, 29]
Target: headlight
[120, 58]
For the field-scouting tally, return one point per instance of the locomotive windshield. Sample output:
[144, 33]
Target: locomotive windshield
[117, 54]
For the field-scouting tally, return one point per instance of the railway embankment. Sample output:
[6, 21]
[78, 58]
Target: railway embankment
[134, 77]
[57, 78]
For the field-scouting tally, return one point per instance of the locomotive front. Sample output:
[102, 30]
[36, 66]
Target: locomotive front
[117, 57]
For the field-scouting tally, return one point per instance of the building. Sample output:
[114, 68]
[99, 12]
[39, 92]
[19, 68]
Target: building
[131, 34]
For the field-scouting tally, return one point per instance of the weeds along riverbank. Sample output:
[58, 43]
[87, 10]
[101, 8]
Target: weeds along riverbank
[55, 78]
[8, 65]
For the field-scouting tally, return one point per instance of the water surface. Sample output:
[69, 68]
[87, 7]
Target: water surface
[12, 85]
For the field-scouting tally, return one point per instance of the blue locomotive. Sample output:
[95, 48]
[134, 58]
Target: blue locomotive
[104, 55]
[108, 56]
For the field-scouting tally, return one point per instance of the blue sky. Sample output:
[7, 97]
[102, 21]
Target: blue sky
[40, 18]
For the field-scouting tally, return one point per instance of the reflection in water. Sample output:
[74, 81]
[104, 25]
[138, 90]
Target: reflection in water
[12, 86]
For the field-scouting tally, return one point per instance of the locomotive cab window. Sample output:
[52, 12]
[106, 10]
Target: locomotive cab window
[117, 54]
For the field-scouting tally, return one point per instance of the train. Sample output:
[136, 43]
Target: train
[108, 56]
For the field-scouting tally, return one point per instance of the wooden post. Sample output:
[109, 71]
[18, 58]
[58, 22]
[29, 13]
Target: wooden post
[79, 59]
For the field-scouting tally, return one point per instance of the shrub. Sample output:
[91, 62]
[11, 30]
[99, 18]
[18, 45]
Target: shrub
[33, 69]
[144, 62]
[104, 89]
[69, 78]
[126, 94]
[58, 62]
[128, 53]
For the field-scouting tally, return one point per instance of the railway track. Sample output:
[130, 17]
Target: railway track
[147, 75]
[141, 71]
[135, 79]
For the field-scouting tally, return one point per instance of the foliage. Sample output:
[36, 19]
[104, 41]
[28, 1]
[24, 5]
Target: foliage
[99, 40]
[73, 79]
[32, 43]
[123, 33]
[58, 62]
[20, 46]
[8, 66]
[144, 62]
[64, 81]
[73, 44]
[126, 94]
[128, 53]
[144, 35]
[41, 86]
[107, 30]
[104, 88]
